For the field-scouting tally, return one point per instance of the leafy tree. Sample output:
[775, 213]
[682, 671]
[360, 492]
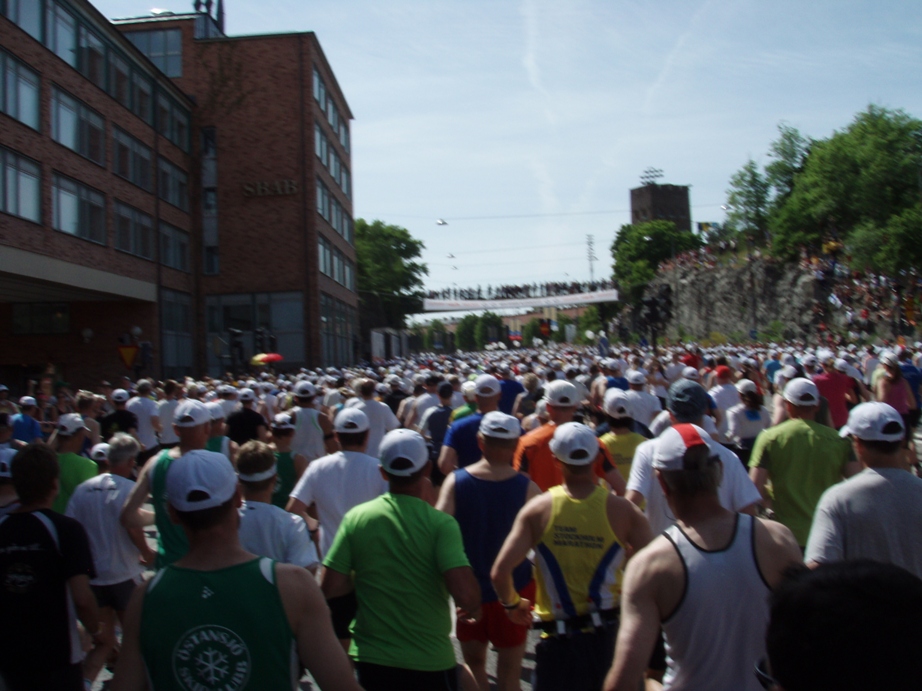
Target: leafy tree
[891, 248]
[747, 200]
[489, 329]
[589, 320]
[531, 331]
[861, 177]
[390, 279]
[639, 249]
[788, 154]
[435, 335]
[465, 332]
[560, 336]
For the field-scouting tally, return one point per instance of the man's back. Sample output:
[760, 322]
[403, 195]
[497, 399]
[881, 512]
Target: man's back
[381, 420]
[144, 410]
[198, 632]
[74, 470]
[119, 420]
[399, 547]
[873, 515]
[803, 458]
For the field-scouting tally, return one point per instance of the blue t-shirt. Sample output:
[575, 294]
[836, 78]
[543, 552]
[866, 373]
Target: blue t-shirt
[771, 367]
[913, 377]
[462, 437]
[617, 383]
[510, 389]
[26, 428]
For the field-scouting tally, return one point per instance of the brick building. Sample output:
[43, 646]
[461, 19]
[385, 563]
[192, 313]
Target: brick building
[164, 183]
[661, 203]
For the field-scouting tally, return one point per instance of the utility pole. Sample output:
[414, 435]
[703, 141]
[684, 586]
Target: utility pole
[590, 254]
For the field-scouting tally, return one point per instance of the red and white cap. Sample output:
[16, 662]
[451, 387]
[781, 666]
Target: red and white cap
[672, 444]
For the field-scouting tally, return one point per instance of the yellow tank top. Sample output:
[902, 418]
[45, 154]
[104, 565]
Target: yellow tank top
[580, 560]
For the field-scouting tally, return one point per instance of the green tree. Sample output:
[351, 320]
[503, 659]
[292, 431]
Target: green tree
[861, 177]
[435, 335]
[531, 331]
[589, 320]
[465, 332]
[390, 277]
[891, 248]
[489, 329]
[639, 249]
[747, 200]
[560, 336]
[788, 154]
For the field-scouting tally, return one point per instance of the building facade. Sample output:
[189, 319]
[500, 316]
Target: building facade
[661, 203]
[164, 187]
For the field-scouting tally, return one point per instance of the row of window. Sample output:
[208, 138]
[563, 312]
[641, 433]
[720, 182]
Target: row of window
[19, 91]
[335, 264]
[331, 160]
[81, 211]
[339, 124]
[338, 332]
[163, 47]
[329, 207]
[82, 48]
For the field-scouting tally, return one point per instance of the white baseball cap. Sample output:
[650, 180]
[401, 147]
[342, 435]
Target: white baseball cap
[205, 472]
[467, 390]
[691, 373]
[100, 452]
[575, 444]
[874, 421]
[70, 424]
[801, 392]
[282, 421]
[498, 425]
[746, 386]
[351, 421]
[215, 410]
[617, 404]
[486, 385]
[120, 395]
[889, 358]
[247, 395]
[562, 394]
[636, 377]
[191, 413]
[304, 389]
[672, 444]
[403, 452]
[27, 401]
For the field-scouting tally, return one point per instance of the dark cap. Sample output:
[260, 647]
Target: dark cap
[687, 400]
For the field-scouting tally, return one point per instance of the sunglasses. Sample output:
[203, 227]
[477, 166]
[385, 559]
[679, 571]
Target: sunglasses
[766, 680]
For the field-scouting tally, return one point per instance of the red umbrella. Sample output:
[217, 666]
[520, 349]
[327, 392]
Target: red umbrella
[266, 358]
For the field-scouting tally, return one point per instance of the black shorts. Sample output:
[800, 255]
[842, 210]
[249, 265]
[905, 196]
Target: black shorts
[342, 610]
[41, 677]
[577, 662]
[374, 677]
[115, 595]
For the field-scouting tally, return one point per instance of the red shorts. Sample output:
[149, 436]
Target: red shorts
[494, 625]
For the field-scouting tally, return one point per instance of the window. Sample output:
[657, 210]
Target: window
[20, 186]
[61, 33]
[338, 331]
[164, 48]
[172, 121]
[324, 256]
[132, 159]
[141, 98]
[133, 231]
[119, 79]
[27, 14]
[20, 91]
[174, 185]
[323, 200]
[174, 247]
[40, 318]
[77, 127]
[92, 57]
[176, 316]
[78, 210]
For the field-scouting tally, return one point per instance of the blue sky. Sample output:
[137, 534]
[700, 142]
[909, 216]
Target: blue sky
[525, 124]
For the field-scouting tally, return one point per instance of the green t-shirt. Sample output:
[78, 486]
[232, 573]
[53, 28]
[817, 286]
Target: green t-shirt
[285, 467]
[803, 459]
[172, 543]
[74, 470]
[397, 548]
[463, 411]
[622, 447]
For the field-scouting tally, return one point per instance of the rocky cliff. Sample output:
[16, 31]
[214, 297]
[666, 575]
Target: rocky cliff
[775, 300]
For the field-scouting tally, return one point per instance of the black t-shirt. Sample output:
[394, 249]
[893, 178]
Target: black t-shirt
[393, 400]
[242, 425]
[39, 552]
[118, 421]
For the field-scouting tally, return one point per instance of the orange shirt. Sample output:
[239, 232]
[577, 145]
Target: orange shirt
[533, 456]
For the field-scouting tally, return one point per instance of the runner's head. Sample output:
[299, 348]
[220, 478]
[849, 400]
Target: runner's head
[404, 459]
[687, 401]
[685, 464]
[192, 424]
[71, 431]
[617, 407]
[256, 468]
[576, 447]
[446, 391]
[487, 391]
[351, 428]
[498, 436]
[121, 454]
[877, 432]
[216, 415]
[35, 473]
[802, 398]
[201, 490]
[562, 399]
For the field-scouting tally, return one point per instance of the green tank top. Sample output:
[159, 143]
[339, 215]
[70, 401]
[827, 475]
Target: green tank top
[285, 467]
[171, 540]
[216, 444]
[197, 632]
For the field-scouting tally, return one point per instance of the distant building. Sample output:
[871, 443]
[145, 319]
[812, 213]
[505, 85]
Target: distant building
[163, 183]
[661, 203]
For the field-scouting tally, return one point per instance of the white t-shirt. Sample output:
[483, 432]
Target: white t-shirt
[422, 404]
[662, 422]
[644, 406]
[381, 420]
[144, 409]
[674, 371]
[336, 483]
[165, 412]
[269, 531]
[741, 426]
[97, 503]
[736, 489]
[725, 396]
[457, 400]
[228, 405]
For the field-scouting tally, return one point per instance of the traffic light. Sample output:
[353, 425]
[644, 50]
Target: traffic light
[273, 343]
[261, 340]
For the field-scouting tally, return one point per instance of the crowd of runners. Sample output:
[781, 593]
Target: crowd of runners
[685, 518]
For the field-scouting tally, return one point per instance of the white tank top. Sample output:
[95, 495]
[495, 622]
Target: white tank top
[716, 635]
[308, 437]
